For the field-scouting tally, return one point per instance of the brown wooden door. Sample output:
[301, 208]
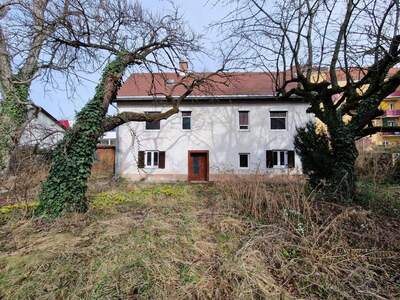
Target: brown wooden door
[198, 165]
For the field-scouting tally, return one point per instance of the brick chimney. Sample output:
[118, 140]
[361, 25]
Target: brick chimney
[183, 66]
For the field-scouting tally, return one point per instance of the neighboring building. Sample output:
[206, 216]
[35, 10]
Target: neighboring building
[109, 138]
[235, 127]
[391, 117]
[43, 130]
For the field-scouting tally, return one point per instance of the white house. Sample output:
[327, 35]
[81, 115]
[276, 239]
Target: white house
[42, 129]
[238, 127]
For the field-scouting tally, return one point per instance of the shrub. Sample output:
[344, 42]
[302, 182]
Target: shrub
[315, 154]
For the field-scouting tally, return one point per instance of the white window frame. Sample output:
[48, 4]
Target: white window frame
[189, 117]
[152, 163]
[286, 119]
[285, 160]
[248, 120]
[248, 160]
[392, 122]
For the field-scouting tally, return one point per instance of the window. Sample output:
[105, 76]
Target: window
[243, 120]
[155, 125]
[278, 119]
[244, 160]
[391, 106]
[186, 120]
[391, 123]
[280, 159]
[151, 159]
[108, 142]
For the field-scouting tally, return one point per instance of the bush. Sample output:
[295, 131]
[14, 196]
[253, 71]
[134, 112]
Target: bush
[315, 154]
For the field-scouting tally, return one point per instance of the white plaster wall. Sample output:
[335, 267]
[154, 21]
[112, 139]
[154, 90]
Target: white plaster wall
[41, 131]
[214, 128]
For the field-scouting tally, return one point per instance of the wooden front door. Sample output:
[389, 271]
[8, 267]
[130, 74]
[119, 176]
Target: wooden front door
[198, 165]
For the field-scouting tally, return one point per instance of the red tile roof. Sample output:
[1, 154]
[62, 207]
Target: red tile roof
[229, 84]
[146, 84]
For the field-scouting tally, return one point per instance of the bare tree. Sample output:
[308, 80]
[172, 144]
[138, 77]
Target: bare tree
[338, 55]
[27, 54]
[15, 77]
[121, 35]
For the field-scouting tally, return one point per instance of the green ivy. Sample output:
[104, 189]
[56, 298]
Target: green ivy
[13, 114]
[66, 185]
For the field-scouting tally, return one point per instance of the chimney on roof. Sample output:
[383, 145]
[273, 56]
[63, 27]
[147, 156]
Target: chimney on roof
[183, 66]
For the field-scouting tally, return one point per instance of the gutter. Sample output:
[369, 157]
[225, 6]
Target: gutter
[208, 97]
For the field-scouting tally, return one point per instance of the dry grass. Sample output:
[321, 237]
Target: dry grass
[316, 249]
[23, 183]
[151, 242]
[375, 167]
[239, 239]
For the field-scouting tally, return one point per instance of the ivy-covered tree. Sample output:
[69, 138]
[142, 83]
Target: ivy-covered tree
[127, 36]
[338, 55]
[27, 53]
[16, 77]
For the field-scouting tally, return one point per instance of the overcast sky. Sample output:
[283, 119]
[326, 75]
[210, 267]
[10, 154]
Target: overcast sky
[198, 13]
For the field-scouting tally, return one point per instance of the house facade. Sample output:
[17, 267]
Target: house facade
[391, 117]
[237, 127]
[43, 130]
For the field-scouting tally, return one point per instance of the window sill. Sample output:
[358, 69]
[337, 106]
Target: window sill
[278, 129]
[244, 130]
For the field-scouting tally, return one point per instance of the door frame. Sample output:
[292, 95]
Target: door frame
[206, 152]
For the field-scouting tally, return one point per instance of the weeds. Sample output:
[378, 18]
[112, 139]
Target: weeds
[241, 238]
[167, 248]
[317, 249]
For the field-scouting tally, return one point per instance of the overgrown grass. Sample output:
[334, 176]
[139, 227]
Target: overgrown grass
[154, 242]
[383, 199]
[238, 239]
[317, 249]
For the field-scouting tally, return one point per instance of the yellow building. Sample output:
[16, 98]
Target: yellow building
[391, 117]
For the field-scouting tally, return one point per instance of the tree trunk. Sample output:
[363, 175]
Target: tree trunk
[13, 114]
[343, 181]
[66, 184]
